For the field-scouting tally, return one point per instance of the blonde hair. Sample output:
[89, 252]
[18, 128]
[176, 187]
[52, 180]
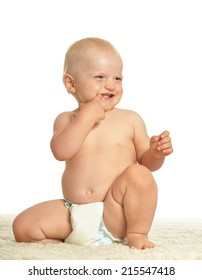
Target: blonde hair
[75, 52]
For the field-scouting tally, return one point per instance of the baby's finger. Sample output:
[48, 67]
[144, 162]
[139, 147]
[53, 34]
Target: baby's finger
[97, 97]
[164, 146]
[164, 140]
[154, 139]
[167, 151]
[164, 134]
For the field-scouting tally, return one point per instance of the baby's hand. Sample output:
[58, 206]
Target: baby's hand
[161, 145]
[94, 109]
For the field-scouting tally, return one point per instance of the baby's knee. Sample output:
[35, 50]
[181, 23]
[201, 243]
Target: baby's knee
[21, 230]
[140, 177]
[18, 229]
[136, 172]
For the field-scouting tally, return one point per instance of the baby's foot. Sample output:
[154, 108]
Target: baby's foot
[139, 241]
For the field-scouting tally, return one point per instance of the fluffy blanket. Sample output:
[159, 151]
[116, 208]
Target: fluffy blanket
[174, 239]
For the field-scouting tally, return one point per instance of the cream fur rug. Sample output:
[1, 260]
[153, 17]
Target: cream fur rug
[175, 240]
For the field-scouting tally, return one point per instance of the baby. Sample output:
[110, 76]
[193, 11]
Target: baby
[109, 192]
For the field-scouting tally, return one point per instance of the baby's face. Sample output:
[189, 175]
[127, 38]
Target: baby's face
[99, 73]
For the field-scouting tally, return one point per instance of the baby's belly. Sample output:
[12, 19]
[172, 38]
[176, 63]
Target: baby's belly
[88, 176]
[85, 189]
[89, 183]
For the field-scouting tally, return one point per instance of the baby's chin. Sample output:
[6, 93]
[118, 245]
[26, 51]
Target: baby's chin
[107, 106]
[109, 103]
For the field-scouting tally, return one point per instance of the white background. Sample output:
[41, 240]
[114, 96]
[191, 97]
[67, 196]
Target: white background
[161, 45]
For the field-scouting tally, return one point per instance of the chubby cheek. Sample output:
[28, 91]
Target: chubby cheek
[119, 94]
[89, 91]
[117, 99]
[85, 94]
[89, 95]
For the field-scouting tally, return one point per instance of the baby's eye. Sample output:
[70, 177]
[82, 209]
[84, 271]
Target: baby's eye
[99, 77]
[118, 78]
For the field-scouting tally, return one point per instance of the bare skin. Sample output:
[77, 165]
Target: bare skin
[109, 157]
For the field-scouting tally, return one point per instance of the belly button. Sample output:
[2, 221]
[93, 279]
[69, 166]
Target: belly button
[89, 192]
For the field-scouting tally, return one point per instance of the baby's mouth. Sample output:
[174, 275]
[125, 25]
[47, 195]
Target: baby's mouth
[107, 95]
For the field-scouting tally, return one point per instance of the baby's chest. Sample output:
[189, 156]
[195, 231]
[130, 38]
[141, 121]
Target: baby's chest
[110, 136]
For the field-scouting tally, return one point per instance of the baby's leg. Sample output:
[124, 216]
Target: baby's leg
[135, 191]
[45, 222]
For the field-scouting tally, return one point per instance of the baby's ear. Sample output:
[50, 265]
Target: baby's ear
[69, 83]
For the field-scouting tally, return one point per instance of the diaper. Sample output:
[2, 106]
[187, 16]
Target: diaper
[87, 225]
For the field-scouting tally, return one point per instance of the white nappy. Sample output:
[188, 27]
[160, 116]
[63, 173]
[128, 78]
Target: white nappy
[87, 225]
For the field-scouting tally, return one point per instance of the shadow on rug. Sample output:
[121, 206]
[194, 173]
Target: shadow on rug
[174, 239]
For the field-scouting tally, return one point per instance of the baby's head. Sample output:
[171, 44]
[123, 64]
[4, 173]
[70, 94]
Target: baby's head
[93, 67]
[83, 49]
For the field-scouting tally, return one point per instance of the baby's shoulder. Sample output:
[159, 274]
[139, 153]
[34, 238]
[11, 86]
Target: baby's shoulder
[128, 114]
[64, 118]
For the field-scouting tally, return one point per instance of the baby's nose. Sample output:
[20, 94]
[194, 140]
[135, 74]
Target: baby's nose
[109, 84]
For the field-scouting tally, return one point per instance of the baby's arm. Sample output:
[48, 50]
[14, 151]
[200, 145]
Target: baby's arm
[160, 147]
[69, 134]
[150, 152]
